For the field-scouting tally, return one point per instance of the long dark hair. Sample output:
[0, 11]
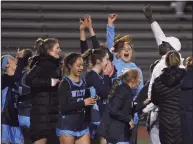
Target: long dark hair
[91, 55]
[69, 60]
[97, 54]
[27, 54]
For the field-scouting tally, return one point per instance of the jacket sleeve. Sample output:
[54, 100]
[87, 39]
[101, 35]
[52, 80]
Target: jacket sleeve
[116, 105]
[157, 31]
[142, 95]
[66, 107]
[34, 78]
[83, 46]
[95, 42]
[155, 73]
[110, 36]
[155, 97]
[139, 106]
[18, 72]
[101, 88]
[151, 106]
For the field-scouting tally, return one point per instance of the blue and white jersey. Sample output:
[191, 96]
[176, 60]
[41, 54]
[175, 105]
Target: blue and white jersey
[73, 120]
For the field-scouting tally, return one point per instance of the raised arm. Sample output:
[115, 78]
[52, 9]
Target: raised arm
[18, 72]
[83, 43]
[157, 31]
[95, 42]
[111, 30]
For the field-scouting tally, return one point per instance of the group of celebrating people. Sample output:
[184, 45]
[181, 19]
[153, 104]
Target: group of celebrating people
[98, 94]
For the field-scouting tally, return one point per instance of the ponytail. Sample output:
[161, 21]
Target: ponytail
[172, 59]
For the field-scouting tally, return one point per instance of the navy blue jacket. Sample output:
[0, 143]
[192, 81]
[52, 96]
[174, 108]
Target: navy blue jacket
[114, 125]
[186, 104]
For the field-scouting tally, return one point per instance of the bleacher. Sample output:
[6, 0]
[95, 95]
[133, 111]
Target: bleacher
[23, 22]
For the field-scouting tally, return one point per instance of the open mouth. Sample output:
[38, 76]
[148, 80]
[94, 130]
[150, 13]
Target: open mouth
[126, 55]
[79, 71]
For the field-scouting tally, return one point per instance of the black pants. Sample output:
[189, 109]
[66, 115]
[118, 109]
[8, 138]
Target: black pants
[134, 134]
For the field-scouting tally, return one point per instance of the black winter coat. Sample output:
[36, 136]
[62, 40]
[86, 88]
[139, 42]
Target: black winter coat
[114, 125]
[44, 112]
[166, 95]
[186, 103]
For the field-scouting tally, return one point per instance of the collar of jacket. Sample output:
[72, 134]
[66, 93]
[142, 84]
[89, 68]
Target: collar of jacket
[40, 58]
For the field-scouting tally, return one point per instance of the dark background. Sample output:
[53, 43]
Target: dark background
[23, 22]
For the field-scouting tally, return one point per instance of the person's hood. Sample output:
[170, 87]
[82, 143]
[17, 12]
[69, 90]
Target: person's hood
[172, 76]
[187, 82]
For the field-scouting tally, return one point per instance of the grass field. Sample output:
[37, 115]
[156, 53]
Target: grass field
[143, 137]
[143, 142]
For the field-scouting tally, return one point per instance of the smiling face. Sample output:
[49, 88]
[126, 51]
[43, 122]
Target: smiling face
[77, 67]
[55, 51]
[125, 53]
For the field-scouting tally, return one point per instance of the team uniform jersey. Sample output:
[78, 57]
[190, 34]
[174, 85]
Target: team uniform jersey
[72, 108]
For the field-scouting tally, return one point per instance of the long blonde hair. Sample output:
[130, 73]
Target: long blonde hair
[127, 76]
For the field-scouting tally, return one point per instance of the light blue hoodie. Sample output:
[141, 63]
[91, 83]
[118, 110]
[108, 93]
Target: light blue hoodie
[121, 66]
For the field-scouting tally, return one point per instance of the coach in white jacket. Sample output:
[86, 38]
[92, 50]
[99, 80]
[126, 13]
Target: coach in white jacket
[165, 44]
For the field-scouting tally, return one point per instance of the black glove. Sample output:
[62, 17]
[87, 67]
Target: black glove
[148, 13]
